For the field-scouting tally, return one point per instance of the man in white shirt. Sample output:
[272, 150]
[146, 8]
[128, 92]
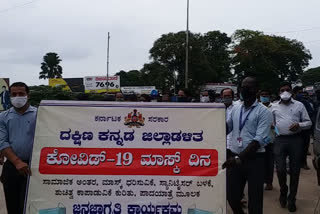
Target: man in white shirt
[290, 118]
[227, 96]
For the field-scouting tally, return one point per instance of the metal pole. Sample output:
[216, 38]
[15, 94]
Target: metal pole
[108, 62]
[187, 47]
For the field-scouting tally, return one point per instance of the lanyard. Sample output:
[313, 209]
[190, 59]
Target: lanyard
[241, 124]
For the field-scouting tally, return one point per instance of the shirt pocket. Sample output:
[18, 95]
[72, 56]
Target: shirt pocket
[296, 115]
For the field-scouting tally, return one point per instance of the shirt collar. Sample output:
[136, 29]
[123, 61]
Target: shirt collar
[253, 105]
[30, 109]
[291, 101]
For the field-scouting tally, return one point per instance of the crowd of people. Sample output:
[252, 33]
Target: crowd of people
[263, 131]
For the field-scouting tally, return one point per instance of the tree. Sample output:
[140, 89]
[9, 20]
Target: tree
[42, 92]
[269, 58]
[209, 57]
[216, 49]
[50, 67]
[155, 74]
[130, 78]
[311, 76]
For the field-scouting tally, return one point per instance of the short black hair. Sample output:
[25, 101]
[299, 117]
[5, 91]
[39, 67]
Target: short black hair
[186, 91]
[4, 86]
[296, 89]
[253, 79]
[19, 84]
[285, 84]
[265, 90]
[221, 92]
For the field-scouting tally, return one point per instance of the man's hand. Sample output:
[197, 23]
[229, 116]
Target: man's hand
[22, 167]
[231, 162]
[294, 127]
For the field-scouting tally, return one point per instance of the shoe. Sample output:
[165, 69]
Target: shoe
[292, 207]
[283, 201]
[268, 187]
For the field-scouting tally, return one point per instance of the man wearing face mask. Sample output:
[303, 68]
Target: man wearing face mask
[250, 124]
[16, 137]
[227, 96]
[183, 96]
[290, 118]
[205, 97]
[119, 97]
[269, 161]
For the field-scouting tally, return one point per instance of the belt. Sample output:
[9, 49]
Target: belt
[231, 154]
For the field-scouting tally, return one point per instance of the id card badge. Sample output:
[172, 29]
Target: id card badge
[240, 142]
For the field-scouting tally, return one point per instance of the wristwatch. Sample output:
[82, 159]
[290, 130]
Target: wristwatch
[238, 160]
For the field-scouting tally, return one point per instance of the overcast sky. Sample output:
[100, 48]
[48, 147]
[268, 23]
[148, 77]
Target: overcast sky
[77, 30]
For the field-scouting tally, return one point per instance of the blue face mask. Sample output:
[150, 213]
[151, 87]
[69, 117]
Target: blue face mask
[57, 210]
[265, 99]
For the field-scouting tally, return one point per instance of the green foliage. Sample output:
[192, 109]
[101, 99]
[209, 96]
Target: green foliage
[271, 59]
[130, 78]
[50, 67]
[155, 74]
[152, 74]
[311, 76]
[42, 92]
[209, 57]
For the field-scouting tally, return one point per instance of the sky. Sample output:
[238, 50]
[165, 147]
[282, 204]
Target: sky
[77, 30]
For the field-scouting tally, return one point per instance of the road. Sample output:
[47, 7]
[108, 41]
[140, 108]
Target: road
[307, 198]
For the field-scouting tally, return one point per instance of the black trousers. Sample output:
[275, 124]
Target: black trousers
[14, 186]
[269, 164]
[288, 146]
[251, 171]
[306, 143]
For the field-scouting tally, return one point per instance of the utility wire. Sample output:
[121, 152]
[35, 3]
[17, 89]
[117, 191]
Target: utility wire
[18, 6]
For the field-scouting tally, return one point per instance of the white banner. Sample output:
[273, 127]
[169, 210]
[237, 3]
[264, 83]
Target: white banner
[99, 84]
[138, 89]
[134, 158]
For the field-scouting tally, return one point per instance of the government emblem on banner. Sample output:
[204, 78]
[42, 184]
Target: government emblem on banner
[134, 118]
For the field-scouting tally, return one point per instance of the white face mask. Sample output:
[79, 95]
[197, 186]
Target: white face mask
[19, 102]
[285, 95]
[205, 99]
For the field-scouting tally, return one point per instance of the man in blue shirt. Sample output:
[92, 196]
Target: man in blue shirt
[16, 138]
[250, 124]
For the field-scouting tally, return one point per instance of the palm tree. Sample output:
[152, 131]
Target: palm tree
[50, 66]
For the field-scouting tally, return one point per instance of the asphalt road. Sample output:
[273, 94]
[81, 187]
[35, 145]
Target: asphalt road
[307, 198]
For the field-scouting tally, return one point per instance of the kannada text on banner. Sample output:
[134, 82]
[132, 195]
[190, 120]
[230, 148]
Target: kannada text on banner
[100, 157]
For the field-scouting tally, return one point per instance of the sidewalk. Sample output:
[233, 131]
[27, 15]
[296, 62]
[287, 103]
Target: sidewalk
[307, 198]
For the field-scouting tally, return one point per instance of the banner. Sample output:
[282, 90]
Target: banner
[4, 94]
[69, 84]
[138, 89]
[133, 158]
[99, 84]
